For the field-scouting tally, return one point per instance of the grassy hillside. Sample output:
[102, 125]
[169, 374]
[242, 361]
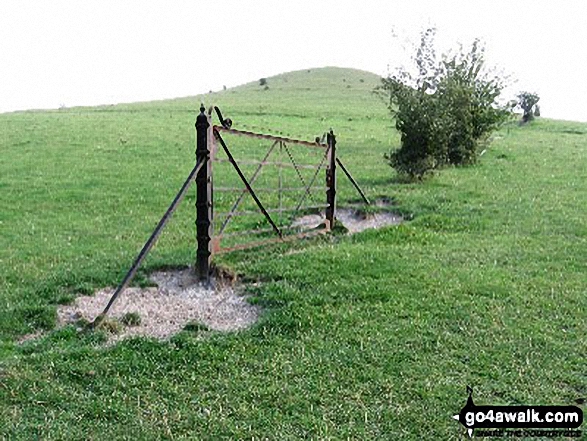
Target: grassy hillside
[373, 336]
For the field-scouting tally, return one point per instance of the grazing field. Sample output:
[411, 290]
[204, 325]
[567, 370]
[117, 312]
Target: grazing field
[371, 336]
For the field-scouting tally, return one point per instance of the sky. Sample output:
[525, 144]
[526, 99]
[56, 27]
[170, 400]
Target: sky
[70, 52]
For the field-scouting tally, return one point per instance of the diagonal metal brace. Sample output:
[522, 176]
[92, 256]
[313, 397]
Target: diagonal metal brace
[307, 192]
[150, 242]
[242, 195]
[297, 171]
[249, 188]
[348, 175]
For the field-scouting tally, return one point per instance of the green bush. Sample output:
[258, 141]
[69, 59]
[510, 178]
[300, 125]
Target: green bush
[528, 102]
[445, 111]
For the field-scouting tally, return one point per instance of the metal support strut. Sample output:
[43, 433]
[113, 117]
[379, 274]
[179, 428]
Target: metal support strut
[150, 242]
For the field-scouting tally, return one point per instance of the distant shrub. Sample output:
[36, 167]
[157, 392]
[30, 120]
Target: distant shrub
[445, 110]
[527, 101]
[537, 110]
[263, 82]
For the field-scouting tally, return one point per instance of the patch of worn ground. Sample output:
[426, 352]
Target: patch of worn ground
[353, 221]
[178, 299]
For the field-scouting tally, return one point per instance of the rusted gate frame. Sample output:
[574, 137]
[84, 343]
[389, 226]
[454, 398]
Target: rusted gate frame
[282, 144]
[333, 161]
[297, 170]
[287, 238]
[313, 179]
[249, 188]
[150, 242]
[281, 164]
[244, 192]
[259, 231]
[270, 210]
[268, 189]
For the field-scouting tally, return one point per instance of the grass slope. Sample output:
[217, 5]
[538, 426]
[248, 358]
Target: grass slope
[373, 336]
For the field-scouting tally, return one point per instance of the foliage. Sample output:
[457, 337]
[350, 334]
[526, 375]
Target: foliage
[263, 82]
[445, 110]
[527, 101]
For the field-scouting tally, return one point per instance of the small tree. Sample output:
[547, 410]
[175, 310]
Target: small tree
[527, 101]
[444, 111]
[263, 82]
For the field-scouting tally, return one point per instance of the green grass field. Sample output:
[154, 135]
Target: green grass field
[373, 336]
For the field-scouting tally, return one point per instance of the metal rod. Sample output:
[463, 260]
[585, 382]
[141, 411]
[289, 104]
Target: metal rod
[240, 173]
[281, 164]
[271, 210]
[296, 169]
[240, 198]
[347, 173]
[258, 231]
[274, 138]
[287, 238]
[268, 189]
[150, 242]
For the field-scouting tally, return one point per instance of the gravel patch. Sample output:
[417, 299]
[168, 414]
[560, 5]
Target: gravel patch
[166, 309]
[354, 222]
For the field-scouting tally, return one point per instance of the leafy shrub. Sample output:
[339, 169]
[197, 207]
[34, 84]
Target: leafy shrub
[443, 112]
[263, 82]
[527, 101]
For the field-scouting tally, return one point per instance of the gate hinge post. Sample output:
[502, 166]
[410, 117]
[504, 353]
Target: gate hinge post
[331, 180]
[203, 197]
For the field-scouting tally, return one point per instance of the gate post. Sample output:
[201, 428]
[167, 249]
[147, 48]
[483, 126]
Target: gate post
[331, 180]
[203, 198]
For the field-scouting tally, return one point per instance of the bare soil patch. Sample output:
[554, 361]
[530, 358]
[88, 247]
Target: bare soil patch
[354, 221]
[177, 300]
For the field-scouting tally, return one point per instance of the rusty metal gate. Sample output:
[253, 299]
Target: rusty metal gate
[293, 187]
[267, 182]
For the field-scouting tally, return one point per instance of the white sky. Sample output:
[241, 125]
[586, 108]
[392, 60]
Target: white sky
[88, 52]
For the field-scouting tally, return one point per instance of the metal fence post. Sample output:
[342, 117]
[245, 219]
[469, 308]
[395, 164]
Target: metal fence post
[203, 198]
[331, 179]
